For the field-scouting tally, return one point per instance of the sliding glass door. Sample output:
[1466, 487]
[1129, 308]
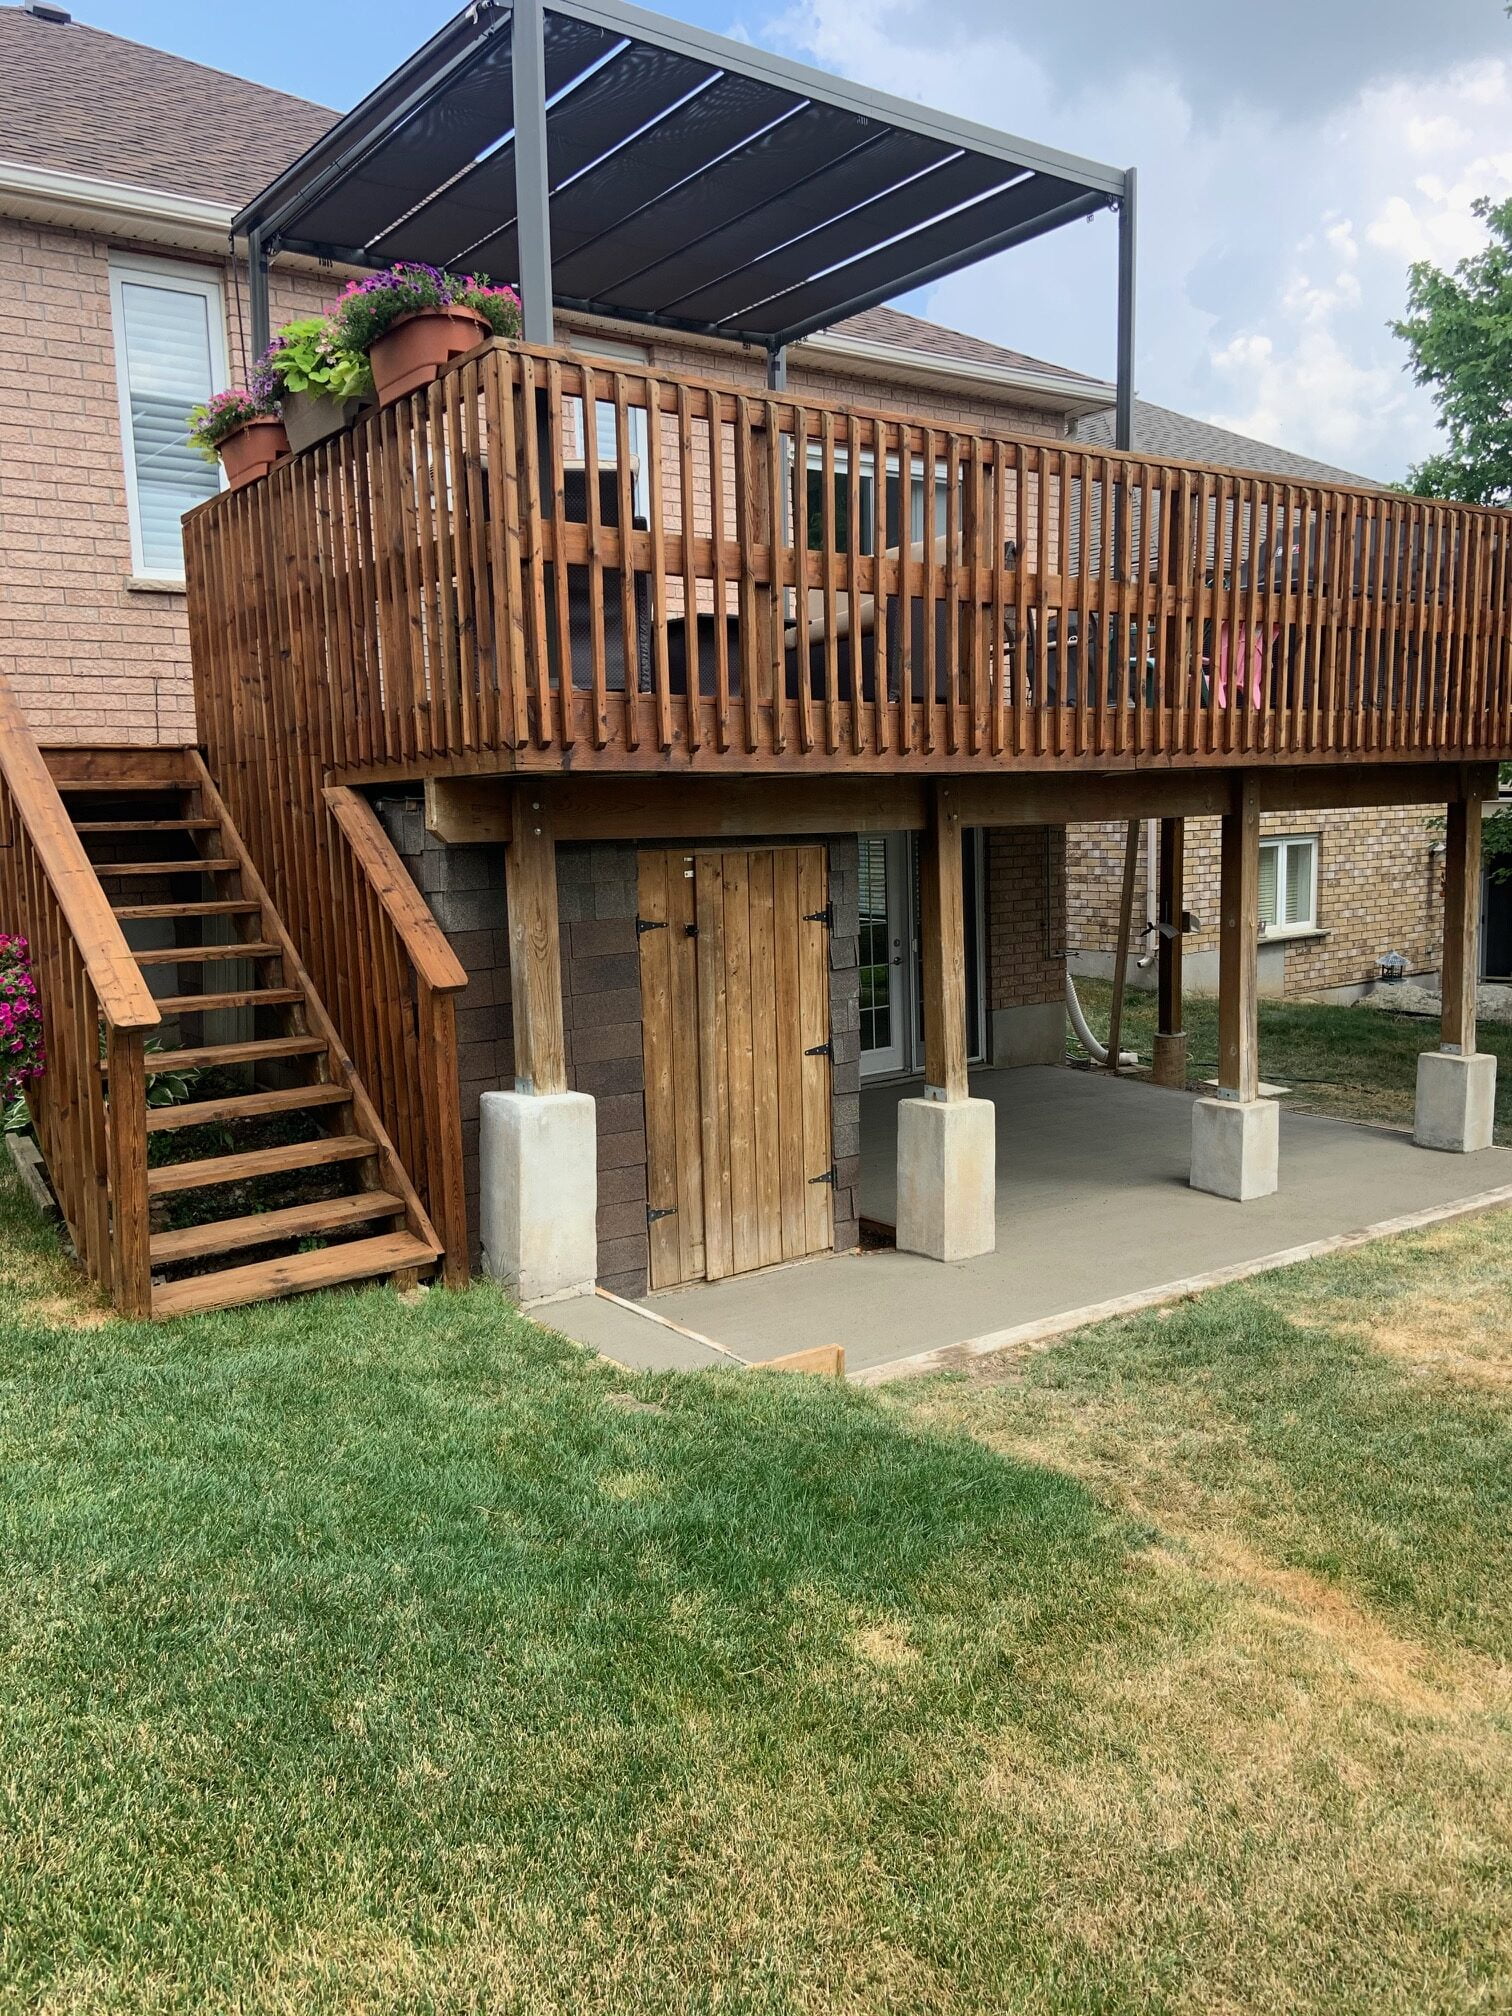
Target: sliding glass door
[892, 957]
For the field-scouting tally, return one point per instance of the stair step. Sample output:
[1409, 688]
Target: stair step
[246, 997]
[360, 1260]
[191, 864]
[122, 787]
[225, 907]
[240, 948]
[146, 825]
[302, 1221]
[245, 1106]
[234, 1053]
[199, 1175]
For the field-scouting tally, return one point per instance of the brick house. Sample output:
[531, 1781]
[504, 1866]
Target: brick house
[114, 228]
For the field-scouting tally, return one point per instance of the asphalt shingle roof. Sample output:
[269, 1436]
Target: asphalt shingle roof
[89, 103]
[898, 331]
[1178, 437]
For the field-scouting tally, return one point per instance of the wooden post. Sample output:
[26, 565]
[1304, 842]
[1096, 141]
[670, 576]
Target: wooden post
[1170, 1036]
[1121, 954]
[443, 1109]
[942, 919]
[1239, 946]
[535, 954]
[130, 1263]
[1462, 895]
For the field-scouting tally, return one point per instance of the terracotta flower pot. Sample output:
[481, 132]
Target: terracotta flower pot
[252, 450]
[411, 351]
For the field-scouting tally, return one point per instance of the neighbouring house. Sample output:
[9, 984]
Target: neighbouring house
[1349, 895]
[599, 764]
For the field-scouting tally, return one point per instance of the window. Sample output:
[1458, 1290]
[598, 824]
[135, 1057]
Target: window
[605, 433]
[170, 348]
[1288, 885]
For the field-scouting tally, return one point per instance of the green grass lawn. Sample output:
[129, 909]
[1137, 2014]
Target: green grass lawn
[1356, 1063]
[363, 1655]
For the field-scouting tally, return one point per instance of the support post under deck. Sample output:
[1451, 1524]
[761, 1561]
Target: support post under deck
[947, 1141]
[1456, 1084]
[1236, 1136]
[1170, 1029]
[538, 1148]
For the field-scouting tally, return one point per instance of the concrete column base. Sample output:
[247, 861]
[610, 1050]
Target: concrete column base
[1456, 1101]
[538, 1174]
[1236, 1147]
[947, 1177]
[1170, 1067]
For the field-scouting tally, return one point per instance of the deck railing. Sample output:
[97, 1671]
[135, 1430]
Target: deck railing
[96, 1009]
[542, 562]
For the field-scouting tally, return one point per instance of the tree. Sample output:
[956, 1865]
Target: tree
[1459, 330]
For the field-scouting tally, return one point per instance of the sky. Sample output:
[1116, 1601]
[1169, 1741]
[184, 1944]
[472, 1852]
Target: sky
[1293, 161]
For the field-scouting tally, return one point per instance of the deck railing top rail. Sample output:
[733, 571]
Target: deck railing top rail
[544, 561]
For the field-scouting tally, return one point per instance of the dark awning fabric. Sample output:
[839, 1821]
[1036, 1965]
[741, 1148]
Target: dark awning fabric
[695, 183]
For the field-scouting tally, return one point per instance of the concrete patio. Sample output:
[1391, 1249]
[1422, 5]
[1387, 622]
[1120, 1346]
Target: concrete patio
[1093, 1204]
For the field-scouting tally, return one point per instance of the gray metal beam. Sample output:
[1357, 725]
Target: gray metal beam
[1128, 229]
[531, 169]
[257, 292]
[777, 370]
[622, 19]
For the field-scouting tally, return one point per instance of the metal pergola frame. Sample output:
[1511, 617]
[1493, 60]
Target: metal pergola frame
[269, 224]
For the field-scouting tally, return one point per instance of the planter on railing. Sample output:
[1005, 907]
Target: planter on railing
[414, 350]
[252, 450]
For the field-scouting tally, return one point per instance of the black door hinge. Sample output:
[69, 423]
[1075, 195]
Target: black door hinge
[828, 1177]
[652, 1215]
[645, 924]
[825, 1049]
[826, 916]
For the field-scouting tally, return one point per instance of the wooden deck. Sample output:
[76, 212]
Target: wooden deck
[708, 580]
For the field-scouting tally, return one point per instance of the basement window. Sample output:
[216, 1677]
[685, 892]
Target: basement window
[1289, 885]
[170, 354]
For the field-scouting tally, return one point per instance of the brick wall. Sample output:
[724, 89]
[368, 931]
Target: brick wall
[91, 658]
[1380, 889]
[1026, 916]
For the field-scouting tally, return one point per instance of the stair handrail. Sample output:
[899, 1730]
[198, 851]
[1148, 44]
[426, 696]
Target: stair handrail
[439, 976]
[96, 1011]
[124, 997]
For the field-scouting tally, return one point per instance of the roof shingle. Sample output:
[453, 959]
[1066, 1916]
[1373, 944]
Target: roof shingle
[1159, 431]
[89, 103]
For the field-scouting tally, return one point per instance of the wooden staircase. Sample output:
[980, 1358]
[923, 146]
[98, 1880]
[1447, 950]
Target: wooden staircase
[274, 1174]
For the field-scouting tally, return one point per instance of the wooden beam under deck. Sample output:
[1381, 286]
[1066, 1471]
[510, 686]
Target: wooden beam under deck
[535, 955]
[1239, 947]
[942, 931]
[479, 810]
[1462, 897]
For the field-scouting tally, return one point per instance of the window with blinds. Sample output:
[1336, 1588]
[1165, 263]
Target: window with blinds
[1289, 884]
[170, 355]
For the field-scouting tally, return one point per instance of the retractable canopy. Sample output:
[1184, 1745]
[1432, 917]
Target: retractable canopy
[669, 176]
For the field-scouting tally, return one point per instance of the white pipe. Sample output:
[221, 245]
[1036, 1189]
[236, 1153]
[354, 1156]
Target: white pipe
[1098, 1052]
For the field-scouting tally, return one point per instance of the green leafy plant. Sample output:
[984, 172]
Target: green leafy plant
[367, 309]
[307, 355]
[167, 1088]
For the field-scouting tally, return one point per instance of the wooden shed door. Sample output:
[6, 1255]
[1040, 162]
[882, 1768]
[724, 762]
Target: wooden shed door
[734, 962]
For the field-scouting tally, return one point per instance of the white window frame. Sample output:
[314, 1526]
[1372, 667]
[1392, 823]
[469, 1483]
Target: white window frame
[188, 280]
[1283, 843]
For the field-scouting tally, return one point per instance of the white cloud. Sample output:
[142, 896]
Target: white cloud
[1273, 248]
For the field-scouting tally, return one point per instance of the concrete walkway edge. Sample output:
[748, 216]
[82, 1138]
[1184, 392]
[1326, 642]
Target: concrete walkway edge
[948, 1357]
